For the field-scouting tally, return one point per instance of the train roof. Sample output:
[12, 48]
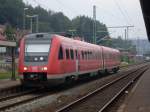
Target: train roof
[82, 43]
[69, 41]
[38, 35]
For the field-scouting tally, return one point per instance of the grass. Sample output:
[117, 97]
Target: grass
[6, 75]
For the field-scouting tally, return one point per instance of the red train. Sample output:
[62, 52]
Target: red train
[52, 59]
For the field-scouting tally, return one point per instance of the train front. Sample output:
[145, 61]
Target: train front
[33, 59]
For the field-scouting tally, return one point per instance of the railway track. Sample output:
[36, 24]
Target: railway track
[11, 90]
[14, 100]
[103, 97]
[21, 98]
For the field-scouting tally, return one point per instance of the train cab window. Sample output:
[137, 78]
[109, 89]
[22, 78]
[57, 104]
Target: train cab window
[60, 55]
[72, 54]
[67, 54]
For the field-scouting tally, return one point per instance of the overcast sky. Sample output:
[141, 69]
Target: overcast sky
[110, 12]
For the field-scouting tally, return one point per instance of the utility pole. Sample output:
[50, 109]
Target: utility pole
[31, 24]
[24, 18]
[138, 46]
[94, 24]
[126, 30]
[37, 22]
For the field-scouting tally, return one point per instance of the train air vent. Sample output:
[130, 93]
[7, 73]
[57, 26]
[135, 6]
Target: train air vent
[39, 36]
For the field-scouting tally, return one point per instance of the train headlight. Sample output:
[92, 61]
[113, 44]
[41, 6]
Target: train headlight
[35, 59]
[41, 58]
[25, 68]
[45, 68]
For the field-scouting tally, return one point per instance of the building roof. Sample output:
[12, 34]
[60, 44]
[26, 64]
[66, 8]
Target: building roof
[146, 14]
[2, 37]
[5, 43]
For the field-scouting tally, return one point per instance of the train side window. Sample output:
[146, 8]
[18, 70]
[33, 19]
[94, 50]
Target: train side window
[96, 54]
[82, 55]
[60, 55]
[76, 54]
[67, 54]
[72, 54]
[86, 55]
[91, 55]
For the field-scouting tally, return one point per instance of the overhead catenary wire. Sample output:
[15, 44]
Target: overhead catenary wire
[70, 9]
[121, 11]
[125, 10]
[66, 6]
[109, 13]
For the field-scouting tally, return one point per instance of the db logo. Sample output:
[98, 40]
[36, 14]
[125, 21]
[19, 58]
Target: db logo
[34, 68]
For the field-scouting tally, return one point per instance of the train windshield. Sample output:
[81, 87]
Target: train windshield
[37, 50]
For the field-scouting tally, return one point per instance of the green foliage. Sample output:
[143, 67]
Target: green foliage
[10, 33]
[12, 12]
[7, 75]
[84, 28]
[59, 22]
[119, 43]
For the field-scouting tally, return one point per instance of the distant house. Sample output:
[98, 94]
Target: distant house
[20, 33]
[2, 30]
[2, 37]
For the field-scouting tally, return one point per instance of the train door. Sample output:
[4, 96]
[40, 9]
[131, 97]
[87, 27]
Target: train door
[103, 58]
[77, 62]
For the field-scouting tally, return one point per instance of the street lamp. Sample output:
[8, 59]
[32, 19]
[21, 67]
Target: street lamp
[24, 17]
[37, 22]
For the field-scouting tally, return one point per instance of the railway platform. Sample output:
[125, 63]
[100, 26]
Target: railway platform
[8, 83]
[139, 97]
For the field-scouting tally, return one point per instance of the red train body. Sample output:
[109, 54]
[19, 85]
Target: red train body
[52, 59]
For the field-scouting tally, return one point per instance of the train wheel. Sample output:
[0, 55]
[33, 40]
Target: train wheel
[106, 71]
[115, 70]
[70, 80]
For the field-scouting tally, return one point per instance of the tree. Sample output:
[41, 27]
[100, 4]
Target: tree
[10, 33]
[11, 12]
[84, 28]
[59, 22]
